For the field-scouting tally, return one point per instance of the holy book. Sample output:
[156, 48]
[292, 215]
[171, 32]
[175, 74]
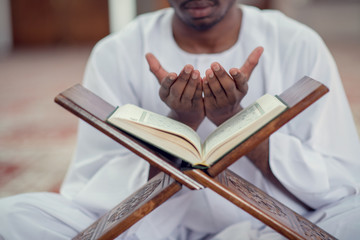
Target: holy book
[183, 142]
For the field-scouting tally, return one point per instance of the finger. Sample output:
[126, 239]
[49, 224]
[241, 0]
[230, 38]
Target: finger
[226, 82]
[166, 85]
[240, 80]
[214, 82]
[179, 85]
[219, 71]
[251, 62]
[198, 100]
[191, 87]
[155, 67]
[198, 92]
[209, 97]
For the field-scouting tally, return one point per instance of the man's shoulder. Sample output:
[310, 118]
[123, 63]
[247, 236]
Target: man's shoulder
[275, 22]
[277, 29]
[136, 31]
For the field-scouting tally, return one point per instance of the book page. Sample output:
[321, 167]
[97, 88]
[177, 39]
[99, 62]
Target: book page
[231, 127]
[171, 143]
[243, 120]
[157, 121]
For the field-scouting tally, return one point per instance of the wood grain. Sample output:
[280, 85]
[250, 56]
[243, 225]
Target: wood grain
[260, 205]
[132, 209]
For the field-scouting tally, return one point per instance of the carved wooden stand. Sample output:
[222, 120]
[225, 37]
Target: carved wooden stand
[243, 194]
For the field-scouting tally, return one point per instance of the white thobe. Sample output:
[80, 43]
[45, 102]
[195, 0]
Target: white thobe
[315, 156]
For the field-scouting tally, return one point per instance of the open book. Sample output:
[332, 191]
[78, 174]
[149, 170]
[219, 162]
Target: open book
[182, 141]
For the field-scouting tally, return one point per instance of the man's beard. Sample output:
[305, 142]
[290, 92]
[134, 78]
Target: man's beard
[205, 26]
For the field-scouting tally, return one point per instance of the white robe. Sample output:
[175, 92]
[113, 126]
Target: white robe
[315, 156]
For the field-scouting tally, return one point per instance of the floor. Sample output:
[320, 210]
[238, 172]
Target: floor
[38, 137]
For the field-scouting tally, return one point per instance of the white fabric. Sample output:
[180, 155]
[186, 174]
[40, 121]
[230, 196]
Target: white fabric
[315, 156]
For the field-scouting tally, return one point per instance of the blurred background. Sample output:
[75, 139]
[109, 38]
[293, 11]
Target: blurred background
[44, 46]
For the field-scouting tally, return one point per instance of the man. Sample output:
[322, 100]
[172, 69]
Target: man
[210, 58]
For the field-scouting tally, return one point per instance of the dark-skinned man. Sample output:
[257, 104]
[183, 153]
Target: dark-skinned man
[208, 59]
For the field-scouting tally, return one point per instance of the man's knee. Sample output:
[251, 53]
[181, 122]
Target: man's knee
[40, 216]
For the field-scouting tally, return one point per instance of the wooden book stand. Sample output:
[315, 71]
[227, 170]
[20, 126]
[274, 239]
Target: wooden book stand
[158, 189]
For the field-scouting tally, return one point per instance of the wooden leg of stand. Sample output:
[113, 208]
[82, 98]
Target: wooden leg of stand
[132, 209]
[260, 205]
[153, 171]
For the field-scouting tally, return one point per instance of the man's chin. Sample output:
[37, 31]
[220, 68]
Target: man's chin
[203, 24]
[202, 27]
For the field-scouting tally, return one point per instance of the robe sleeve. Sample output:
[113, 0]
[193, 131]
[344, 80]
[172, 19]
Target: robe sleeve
[103, 172]
[316, 155]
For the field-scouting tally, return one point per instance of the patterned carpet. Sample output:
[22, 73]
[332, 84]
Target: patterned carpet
[37, 137]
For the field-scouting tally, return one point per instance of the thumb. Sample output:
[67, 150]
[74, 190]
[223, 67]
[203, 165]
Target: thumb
[252, 61]
[155, 67]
